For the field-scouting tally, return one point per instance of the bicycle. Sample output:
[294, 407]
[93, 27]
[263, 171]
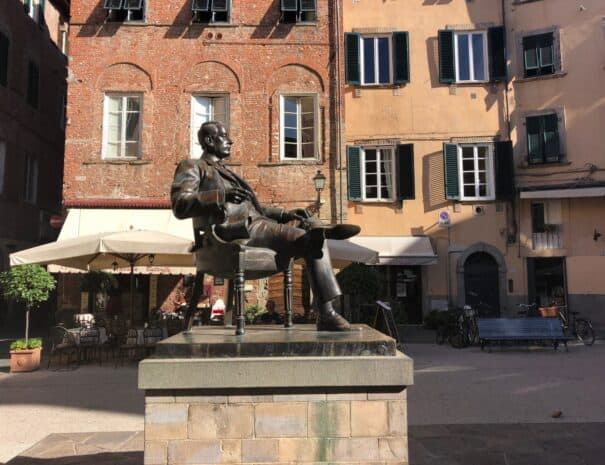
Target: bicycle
[526, 310]
[581, 328]
[459, 329]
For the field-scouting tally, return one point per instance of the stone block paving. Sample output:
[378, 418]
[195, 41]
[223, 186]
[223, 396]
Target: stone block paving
[480, 444]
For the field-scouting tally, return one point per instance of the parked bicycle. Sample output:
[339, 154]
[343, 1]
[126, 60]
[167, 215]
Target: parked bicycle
[581, 328]
[459, 328]
[526, 310]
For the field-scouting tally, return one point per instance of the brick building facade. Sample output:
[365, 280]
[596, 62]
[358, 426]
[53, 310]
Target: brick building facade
[32, 103]
[142, 81]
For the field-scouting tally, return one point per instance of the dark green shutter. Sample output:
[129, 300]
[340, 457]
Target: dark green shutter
[4, 46]
[534, 140]
[450, 158]
[401, 58]
[497, 53]
[352, 65]
[289, 5]
[447, 64]
[26, 5]
[406, 187]
[505, 171]
[354, 172]
[551, 137]
[538, 218]
[41, 19]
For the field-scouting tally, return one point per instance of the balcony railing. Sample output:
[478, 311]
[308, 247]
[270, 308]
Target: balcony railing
[551, 238]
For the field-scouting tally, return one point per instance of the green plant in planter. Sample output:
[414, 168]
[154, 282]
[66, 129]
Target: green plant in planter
[253, 312]
[22, 344]
[29, 285]
[360, 281]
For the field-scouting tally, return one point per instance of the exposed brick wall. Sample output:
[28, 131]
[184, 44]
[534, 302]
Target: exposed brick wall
[253, 59]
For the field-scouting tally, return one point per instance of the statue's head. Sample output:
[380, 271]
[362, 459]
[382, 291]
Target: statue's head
[214, 139]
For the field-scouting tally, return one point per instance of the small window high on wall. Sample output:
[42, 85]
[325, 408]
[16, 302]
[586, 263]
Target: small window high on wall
[122, 125]
[299, 127]
[125, 10]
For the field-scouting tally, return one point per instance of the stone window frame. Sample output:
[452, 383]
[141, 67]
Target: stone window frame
[316, 122]
[522, 136]
[486, 56]
[557, 56]
[193, 130]
[139, 154]
[393, 149]
[31, 179]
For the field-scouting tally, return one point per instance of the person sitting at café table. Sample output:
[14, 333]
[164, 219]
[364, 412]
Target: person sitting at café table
[271, 317]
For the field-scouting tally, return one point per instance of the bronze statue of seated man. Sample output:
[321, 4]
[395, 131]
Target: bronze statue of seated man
[213, 195]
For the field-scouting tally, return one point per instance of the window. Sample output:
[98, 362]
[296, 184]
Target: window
[34, 9]
[125, 10]
[2, 164]
[472, 56]
[299, 127]
[31, 179]
[380, 174]
[379, 59]
[546, 225]
[479, 171]
[543, 139]
[33, 84]
[122, 126]
[378, 179]
[538, 55]
[298, 11]
[4, 46]
[206, 108]
[210, 11]
[476, 172]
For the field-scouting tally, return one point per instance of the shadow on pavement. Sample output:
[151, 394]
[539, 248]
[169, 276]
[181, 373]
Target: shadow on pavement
[105, 458]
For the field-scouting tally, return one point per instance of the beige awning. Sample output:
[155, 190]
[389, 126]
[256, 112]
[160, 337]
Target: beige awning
[564, 193]
[83, 222]
[399, 250]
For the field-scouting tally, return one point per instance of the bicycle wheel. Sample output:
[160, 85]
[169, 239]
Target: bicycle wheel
[584, 332]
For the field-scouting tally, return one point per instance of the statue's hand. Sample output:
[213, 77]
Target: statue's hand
[237, 195]
[286, 217]
[302, 212]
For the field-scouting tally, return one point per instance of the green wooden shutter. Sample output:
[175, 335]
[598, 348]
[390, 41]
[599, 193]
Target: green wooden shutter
[401, 58]
[352, 65]
[406, 188]
[41, 19]
[447, 63]
[27, 5]
[4, 46]
[497, 53]
[534, 139]
[550, 124]
[289, 5]
[450, 157]
[354, 172]
[505, 171]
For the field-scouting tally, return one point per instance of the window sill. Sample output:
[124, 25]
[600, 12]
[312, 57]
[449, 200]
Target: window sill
[378, 86]
[541, 78]
[477, 199]
[291, 162]
[521, 2]
[117, 161]
[551, 164]
[378, 202]
[217, 24]
[136, 23]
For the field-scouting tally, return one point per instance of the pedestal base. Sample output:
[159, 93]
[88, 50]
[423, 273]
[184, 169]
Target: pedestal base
[270, 410]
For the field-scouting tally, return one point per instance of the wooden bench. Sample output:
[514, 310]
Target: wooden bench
[501, 330]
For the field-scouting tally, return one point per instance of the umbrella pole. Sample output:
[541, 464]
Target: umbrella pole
[131, 293]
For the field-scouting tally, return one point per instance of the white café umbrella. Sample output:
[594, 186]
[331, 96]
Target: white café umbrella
[111, 250]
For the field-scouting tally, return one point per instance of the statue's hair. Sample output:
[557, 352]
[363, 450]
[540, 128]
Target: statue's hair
[209, 128]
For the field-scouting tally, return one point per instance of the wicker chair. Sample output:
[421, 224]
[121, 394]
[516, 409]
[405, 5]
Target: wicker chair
[89, 343]
[63, 342]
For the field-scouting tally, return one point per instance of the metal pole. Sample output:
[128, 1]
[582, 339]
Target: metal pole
[131, 292]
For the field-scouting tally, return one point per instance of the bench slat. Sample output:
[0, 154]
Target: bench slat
[520, 329]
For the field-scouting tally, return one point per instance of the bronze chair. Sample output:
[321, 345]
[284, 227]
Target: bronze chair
[62, 341]
[235, 261]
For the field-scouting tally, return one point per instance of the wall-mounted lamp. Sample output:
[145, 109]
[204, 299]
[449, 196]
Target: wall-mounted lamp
[596, 235]
[151, 259]
[114, 266]
[319, 180]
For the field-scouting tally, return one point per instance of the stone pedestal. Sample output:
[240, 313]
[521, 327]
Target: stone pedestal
[275, 396]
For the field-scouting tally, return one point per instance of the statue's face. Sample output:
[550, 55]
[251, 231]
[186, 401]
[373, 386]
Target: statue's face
[222, 143]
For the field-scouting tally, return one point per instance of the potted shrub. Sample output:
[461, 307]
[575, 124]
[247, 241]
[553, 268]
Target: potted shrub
[29, 285]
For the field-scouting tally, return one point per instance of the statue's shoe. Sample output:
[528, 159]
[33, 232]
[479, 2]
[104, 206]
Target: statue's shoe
[332, 322]
[337, 231]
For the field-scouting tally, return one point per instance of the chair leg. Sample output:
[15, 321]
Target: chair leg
[288, 297]
[240, 296]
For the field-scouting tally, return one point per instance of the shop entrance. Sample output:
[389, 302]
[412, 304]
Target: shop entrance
[546, 281]
[403, 286]
[481, 286]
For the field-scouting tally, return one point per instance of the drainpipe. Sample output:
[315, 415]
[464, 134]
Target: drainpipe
[338, 105]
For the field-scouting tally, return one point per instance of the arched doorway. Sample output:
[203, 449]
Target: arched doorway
[481, 283]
